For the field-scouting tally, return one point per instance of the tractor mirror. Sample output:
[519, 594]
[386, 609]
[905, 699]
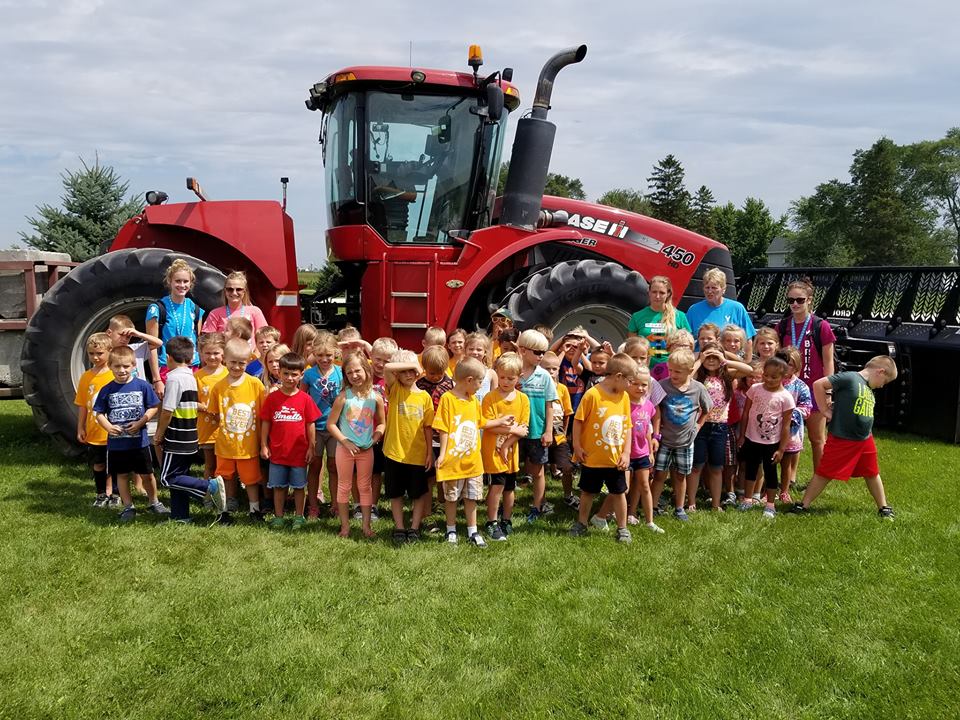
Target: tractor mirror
[494, 102]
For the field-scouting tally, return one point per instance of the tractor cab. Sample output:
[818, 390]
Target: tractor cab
[413, 154]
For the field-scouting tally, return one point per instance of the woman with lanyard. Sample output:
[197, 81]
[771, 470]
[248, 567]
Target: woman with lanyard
[814, 339]
[236, 298]
[658, 321]
[181, 317]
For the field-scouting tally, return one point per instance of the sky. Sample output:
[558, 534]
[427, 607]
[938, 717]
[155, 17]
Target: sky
[762, 99]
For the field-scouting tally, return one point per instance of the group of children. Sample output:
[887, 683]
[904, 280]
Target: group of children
[469, 419]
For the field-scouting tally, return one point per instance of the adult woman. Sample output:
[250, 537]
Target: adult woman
[659, 320]
[236, 300]
[720, 311]
[181, 316]
[814, 339]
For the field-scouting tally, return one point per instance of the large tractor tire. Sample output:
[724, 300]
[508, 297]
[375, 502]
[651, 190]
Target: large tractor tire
[600, 296]
[80, 304]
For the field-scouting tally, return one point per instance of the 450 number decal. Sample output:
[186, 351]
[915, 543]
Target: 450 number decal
[678, 255]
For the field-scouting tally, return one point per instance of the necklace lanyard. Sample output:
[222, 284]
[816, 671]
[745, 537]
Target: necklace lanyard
[803, 332]
[243, 311]
[180, 317]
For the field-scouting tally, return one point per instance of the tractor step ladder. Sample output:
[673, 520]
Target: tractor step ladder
[409, 305]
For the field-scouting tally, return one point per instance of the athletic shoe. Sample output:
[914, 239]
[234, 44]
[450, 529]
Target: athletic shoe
[784, 497]
[114, 501]
[218, 494]
[224, 519]
[299, 522]
[886, 513]
[183, 521]
[507, 527]
[452, 537]
[277, 523]
[158, 508]
[357, 513]
[599, 523]
[208, 503]
[547, 508]
[655, 529]
[374, 513]
[232, 505]
[730, 499]
[572, 502]
[769, 513]
[399, 537]
[413, 535]
[799, 509]
[313, 512]
[533, 514]
[623, 536]
[494, 531]
[578, 529]
[477, 540]
[524, 480]
[632, 520]
[255, 516]
[681, 515]
[128, 514]
[101, 501]
[745, 505]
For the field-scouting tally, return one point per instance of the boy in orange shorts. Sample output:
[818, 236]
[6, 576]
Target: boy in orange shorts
[850, 450]
[235, 401]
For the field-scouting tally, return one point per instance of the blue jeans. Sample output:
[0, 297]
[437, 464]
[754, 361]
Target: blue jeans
[284, 476]
[710, 447]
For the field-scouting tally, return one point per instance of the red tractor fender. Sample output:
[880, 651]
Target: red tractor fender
[255, 236]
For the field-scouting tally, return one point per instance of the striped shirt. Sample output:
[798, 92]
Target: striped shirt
[180, 398]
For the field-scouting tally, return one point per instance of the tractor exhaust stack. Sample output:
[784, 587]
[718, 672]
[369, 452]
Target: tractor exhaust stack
[532, 147]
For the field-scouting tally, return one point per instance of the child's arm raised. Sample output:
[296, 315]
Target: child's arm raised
[737, 369]
[152, 340]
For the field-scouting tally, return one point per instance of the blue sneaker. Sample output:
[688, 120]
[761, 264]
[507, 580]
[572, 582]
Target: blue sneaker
[218, 493]
[681, 515]
[533, 515]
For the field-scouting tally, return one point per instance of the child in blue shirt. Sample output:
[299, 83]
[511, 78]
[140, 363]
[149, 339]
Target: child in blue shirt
[323, 382]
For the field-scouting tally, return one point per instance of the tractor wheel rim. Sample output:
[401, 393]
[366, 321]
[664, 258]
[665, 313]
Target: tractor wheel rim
[603, 322]
[98, 322]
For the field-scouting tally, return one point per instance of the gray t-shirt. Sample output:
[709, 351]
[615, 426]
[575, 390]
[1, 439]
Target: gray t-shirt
[679, 410]
[853, 402]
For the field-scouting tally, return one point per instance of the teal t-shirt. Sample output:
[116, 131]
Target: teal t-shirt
[648, 323]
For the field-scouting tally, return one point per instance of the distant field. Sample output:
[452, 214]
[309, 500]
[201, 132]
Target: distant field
[835, 615]
[308, 279]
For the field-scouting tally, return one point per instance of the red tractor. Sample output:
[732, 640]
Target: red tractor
[412, 159]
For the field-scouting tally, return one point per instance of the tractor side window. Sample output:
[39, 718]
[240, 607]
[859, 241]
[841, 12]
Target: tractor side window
[340, 156]
[419, 157]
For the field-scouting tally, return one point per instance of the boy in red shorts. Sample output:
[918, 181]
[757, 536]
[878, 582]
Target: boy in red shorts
[850, 450]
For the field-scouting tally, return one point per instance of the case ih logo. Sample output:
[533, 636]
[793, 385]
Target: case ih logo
[598, 225]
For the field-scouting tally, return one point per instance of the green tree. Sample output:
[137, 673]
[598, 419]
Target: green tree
[558, 185]
[822, 227]
[94, 209]
[668, 196]
[755, 230]
[934, 167]
[329, 279]
[626, 199]
[893, 225]
[724, 218]
[701, 212]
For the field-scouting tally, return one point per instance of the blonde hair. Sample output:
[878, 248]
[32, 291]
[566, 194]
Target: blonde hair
[99, 341]
[623, 364]
[240, 327]
[792, 357]
[550, 355]
[715, 275]
[682, 357]
[211, 338]
[669, 315]
[469, 367]
[237, 348]
[404, 356]
[545, 330]
[348, 333]
[732, 329]
[769, 333]
[325, 340]
[885, 363]
[302, 342]
[267, 330]
[120, 322]
[680, 337]
[434, 336]
[179, 265]
[123, 353]
[479, 338]
[533, 340]
[386, 345]
[274, 353]
[435, 359]
[509, 363]
[709, 327]
[636, 342]
[237, 275]
[366, 387]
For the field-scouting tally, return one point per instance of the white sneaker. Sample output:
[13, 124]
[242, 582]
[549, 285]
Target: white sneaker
[218, 496]
[655, 529]
[632, 520]
[599, 523]
[477, 539]
[452, 537]
[769, 513]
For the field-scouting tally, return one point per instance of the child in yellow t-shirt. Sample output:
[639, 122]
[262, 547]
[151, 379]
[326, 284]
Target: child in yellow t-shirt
[407, 450]
[89, 431]
[601, 443]
[211, 372]
[498, 447]
[235, 401]
[460, 466]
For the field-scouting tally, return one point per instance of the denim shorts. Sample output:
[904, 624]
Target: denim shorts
[284, 476]
[710, 445]
[533, 451]
[640, 463]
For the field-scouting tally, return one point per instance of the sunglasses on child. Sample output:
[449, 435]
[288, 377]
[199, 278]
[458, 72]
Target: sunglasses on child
[233, 290]
[796, 300]
[538, 353]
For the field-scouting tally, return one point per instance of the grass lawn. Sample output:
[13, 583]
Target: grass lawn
[836, 615]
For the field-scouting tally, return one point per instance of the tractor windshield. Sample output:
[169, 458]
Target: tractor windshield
[414, 167]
